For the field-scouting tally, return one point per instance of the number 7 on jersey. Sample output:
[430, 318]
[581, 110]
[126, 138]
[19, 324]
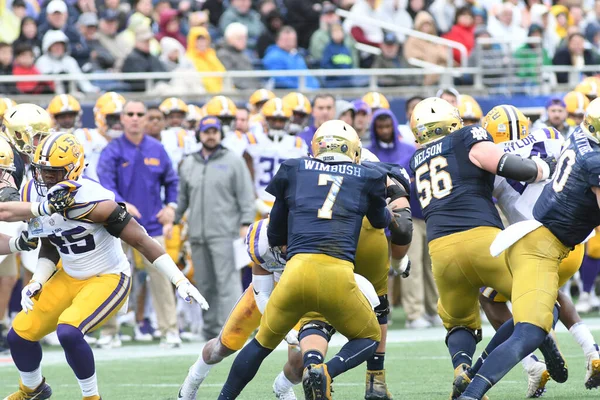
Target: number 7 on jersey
[325, 211]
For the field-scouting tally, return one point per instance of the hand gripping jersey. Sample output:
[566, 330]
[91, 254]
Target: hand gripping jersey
[516, 199]
[454, 193]
[257, 245]
[86, 248]
[93, 143]
[567, 205]
[177, 144]
[268, 154]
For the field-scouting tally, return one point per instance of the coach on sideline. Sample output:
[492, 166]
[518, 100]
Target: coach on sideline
[216, 187]
[136, 168]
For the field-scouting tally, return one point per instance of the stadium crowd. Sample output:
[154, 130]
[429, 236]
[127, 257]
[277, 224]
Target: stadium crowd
[75, 36]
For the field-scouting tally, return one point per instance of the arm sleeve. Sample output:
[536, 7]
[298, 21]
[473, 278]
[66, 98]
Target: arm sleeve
[183, 199]
[378, 215]
[277, 229]
[244, 193]
[170, 179]
[107, 171]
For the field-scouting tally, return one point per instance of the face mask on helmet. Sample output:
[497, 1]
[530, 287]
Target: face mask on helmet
[114, 127]
[277, 127]
[298, 123]
[66, 121]
[45, 177]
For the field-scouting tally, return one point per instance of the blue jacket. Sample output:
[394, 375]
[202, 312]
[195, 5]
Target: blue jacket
[397, 152]
[137, 175]
[278, 59]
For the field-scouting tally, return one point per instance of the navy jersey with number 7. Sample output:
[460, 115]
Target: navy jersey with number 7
[319, 206]
[455, 195]
[567, 205]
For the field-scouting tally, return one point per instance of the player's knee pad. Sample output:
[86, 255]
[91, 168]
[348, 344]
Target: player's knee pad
[319, 328]
[383, 310]
[477, 333]
[68, 335]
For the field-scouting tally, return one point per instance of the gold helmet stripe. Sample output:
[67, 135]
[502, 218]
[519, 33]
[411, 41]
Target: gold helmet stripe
[376, 100]
[174, 104]
[469, 109]
[7, 102]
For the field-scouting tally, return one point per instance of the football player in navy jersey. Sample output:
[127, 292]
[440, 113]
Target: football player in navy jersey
[567, 212]
[317, 216]
[454, 177]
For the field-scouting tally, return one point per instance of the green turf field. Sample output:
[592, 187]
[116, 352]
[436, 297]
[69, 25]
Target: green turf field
[416, 370]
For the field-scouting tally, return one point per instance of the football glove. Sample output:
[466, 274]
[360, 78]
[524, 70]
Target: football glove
[22, 242]
[189, 293]
[60, 200]
[29, 291]
[292, 338]
[401, 266]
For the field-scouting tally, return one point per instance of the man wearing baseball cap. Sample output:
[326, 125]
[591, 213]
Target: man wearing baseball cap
[555, 117]
[216, 187]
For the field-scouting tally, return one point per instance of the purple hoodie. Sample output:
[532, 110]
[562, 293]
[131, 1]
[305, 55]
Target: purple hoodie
[397, 152]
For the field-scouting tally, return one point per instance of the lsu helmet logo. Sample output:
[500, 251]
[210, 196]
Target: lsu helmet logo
[76, 151]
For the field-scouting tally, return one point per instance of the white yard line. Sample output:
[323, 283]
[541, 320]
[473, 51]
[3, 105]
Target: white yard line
[56, 356]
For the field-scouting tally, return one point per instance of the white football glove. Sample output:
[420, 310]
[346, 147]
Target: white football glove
[401, 266]
[292, 338]
[27, 293]
[188, 292]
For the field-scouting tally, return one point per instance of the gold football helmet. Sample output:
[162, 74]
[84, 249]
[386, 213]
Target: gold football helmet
[301, 110]
[469, 110]
[58, 157]
[591, 120]
[336, 141]
[506, 123]
[376, 100]
[65, 110]
[5, 104]
[576, 103]
[193, 117]
[7, 158]
[433, 118]
[108, 117]
[108, 96]
[590, 86]
[173, 104]
[258, 98]
[277, 116]
[222, 107]
[24, 124]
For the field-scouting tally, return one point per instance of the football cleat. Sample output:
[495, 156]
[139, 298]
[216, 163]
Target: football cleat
[190, 386]
[537, 378]
[109, 342]
[555, 362]
[462, 378]
[171, 340]
[376, 388]
[592, 373]
[316, 382]
[42, 392]
[287, 395]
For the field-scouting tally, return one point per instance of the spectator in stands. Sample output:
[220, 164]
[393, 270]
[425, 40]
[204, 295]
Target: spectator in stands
[490, 57]
[56, 60]
[241, 11]
[204, 58]
[577, 17]
[362, 121]
[562, 18]
[220, 211]
[9, 23]
[233, 55]
[413, 7]
[443, 11]
[57, 19]
[463, 31]
[593, 15]
[137, 169]
[592, 35]
[113, 6]
[24, 65]
[425, 50]
[19, 9]
[140, 59]
[143, 7]
[169, 26]
[6, 68]
[386, 141]
[363, 31]
[574, 54]
[283, 55]
[391, 57]
[501, 26]
[449, 94]
[344, 110]
[108, 38]
[323, 110]
[215, 9]
[29, 35]
[404, 129]
[555, 116]
[100, 58]
[127, 37]
[303, 16]
[540, 15]
[391, 11]
[337, 55]
[322, 36]
[526, 56]
[273, 23]
[173, 56]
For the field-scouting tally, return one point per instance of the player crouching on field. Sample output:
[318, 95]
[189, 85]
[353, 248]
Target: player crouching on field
[94, 282]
